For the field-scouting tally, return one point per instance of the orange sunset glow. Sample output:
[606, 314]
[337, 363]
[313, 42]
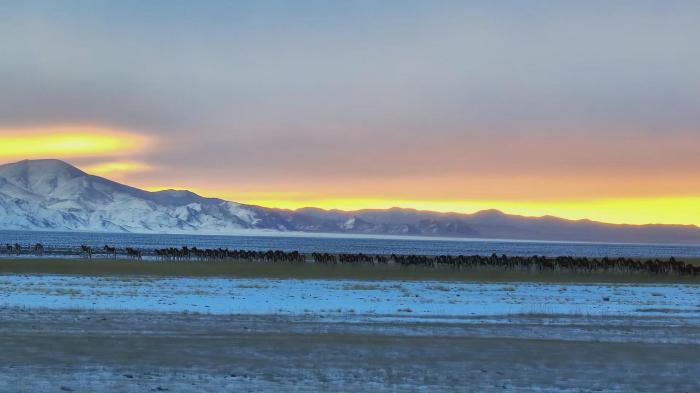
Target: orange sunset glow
[68, 142]
[116, 168]
[637, 211]
[617, 195]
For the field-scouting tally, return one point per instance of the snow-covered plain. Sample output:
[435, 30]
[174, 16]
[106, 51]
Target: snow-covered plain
[343, 297]
[136, 334]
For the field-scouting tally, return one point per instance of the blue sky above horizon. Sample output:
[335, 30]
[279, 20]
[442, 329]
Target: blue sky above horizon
[515, 104]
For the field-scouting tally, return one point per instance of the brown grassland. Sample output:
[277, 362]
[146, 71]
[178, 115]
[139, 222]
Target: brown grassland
[235, 269]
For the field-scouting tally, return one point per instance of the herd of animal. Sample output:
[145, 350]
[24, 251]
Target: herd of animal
[221, 254]
[502, 262]
[520, 263]
[17, 249]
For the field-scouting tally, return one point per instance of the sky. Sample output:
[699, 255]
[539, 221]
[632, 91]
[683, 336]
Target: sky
[573, 109]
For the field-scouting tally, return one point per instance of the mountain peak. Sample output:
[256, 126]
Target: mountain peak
[49, 166]
[176, 193]
[179, 197]
[489, 213]
[40, 176]
[41, 161]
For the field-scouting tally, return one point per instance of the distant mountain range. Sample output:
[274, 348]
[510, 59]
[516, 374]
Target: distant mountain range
[53, 195]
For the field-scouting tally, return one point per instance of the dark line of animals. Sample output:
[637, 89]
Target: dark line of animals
[514, 263]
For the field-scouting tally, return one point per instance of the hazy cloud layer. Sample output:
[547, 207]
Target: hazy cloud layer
[590, 98]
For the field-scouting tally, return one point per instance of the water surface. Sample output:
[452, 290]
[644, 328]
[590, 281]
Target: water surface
[338, 244]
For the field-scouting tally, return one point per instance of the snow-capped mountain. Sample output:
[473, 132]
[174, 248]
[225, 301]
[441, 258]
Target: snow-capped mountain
[53, 195]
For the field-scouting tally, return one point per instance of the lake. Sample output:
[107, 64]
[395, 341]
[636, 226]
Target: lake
[350, 244]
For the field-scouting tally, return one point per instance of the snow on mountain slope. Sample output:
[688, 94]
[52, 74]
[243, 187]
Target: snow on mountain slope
[53, 195]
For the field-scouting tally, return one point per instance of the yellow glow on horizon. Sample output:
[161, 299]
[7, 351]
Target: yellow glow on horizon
[116, 168]
[679, 210]
[635, 211]
[68, 142]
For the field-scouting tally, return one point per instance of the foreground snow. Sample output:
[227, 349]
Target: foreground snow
[125, 351]
[64, 333]
[343, 297]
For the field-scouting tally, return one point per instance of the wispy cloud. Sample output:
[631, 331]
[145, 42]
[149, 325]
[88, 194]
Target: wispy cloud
[70, 142]
[117, 169]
